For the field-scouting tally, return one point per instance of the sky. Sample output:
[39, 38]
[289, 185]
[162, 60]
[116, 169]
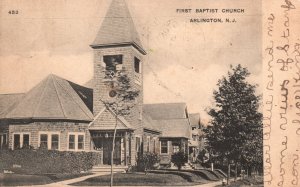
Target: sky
[184, 60]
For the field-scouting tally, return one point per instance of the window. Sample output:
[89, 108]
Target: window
[54, 141]
[3, 141]
[71, 141]
[175, 148]
[112, 62]
[137, 67]
[49, 140]
[21, 140]
[80, 142]
[148, 144]
[137, 145]
[25, 140]
[44, 141]
[76, 141]
[164, 147]
[17, 141]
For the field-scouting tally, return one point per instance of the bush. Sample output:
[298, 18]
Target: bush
[42, 161]
[147, 161]
[179, 159]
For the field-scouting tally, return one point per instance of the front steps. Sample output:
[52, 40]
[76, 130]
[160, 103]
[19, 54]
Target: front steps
[106, 169]
[188, 166]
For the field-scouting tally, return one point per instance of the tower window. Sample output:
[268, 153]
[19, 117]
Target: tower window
[137, 65]
[112, 62]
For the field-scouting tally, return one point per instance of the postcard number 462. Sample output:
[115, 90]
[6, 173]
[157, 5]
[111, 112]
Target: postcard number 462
[13, 12]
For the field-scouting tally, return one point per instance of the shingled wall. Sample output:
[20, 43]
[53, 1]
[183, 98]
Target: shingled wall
[63, 128]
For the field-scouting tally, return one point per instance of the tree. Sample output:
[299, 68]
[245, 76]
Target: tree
[179, 159]
[122, 101]
[235, 131]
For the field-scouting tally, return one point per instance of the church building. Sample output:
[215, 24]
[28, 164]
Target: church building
[58, 114]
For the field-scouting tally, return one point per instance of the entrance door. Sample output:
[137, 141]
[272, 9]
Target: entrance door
[107, 148]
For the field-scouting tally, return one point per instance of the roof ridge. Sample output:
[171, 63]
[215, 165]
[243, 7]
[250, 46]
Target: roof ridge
[59, 99]
[41, 96]
[61, 78]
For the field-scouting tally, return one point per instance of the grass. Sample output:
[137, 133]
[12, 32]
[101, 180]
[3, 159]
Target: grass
[26, 180]
[161, 178]
[21, 180]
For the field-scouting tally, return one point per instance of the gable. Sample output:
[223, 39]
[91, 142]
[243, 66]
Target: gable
[106, 120]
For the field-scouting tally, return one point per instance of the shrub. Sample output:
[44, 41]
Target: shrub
[179, 159]
[47, 161]
[147, 161]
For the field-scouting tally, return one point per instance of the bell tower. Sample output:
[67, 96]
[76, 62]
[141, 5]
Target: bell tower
[117, 47]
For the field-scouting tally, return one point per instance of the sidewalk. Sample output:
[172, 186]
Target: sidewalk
[211, 184]
[71, 181]
[67, 183]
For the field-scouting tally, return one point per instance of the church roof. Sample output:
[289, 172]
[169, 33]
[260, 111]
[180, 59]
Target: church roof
[54, 98]
[8, 101]
[166, 110]
[118, 28]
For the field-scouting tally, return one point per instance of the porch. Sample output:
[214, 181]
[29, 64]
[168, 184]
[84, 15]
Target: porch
[102, 141]
[169, 146]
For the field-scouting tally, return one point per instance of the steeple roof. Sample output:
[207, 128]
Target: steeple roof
[118, 28]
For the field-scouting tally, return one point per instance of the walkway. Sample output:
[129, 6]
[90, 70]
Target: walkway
[71, 181]
[67, 183]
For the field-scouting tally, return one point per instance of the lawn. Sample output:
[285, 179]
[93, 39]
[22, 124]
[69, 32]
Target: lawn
[142, 179]
[26, 180]
[20, 180]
